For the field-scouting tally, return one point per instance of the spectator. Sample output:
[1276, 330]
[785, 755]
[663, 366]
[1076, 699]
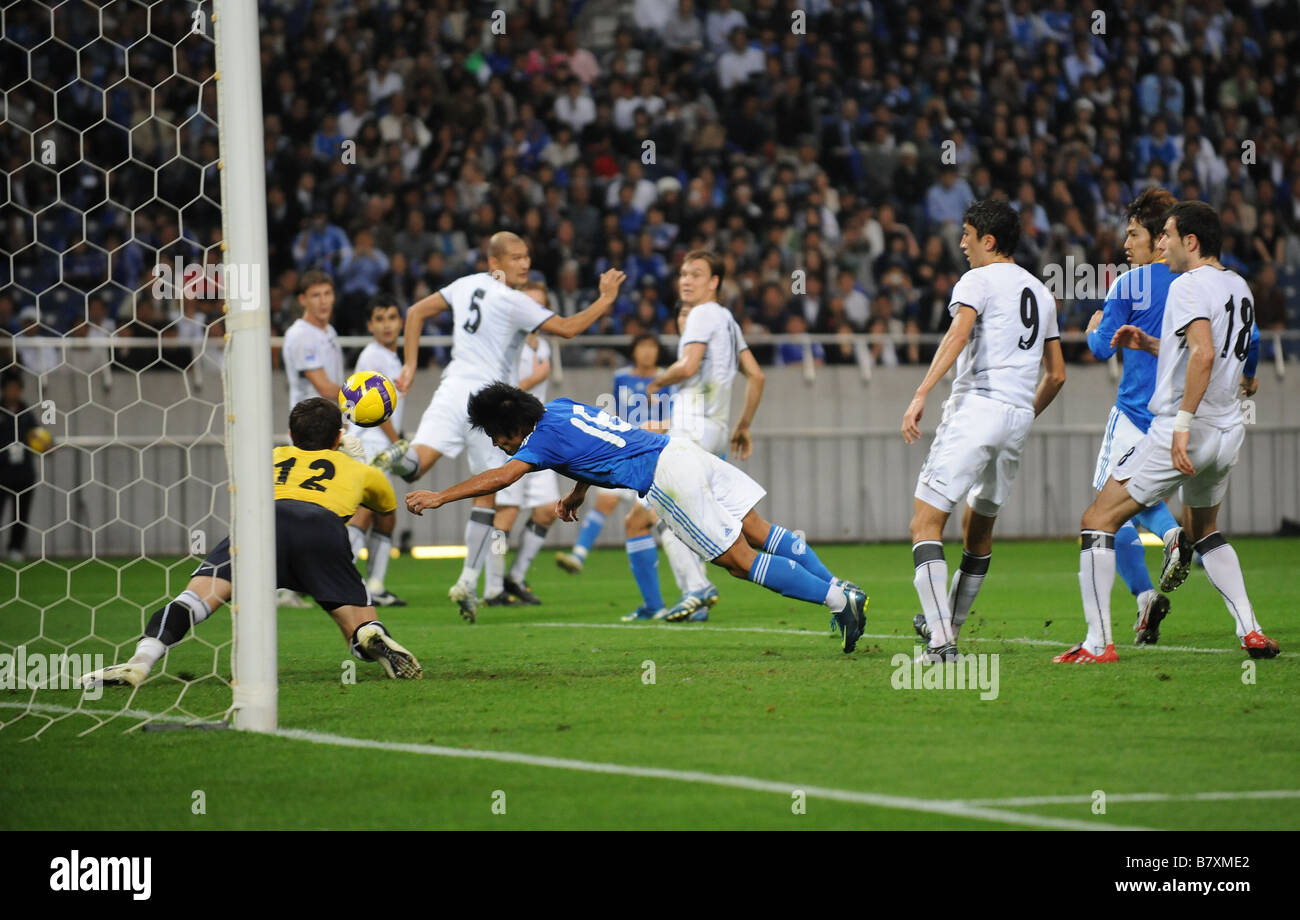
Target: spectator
[720, 25]
[946, 201]
[321, 245]
[739, 62]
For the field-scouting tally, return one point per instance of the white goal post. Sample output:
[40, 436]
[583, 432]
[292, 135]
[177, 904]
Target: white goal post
[248, 365]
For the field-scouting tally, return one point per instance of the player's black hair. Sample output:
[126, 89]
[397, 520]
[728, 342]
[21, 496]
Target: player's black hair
[995, 217]
[501, 411]
[1149, 210]
[643, 337]
[1198, 219]
[379, 302]
[314, 423]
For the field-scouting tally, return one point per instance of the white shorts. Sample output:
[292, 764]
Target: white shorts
[701, 498]
[1148, 472]
[445, 426]
[373, 440]
[628, 495]
[708, 433]
[976, 454]
[1121, 437]
[538, 489]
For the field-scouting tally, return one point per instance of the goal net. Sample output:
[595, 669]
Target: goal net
[116, 477]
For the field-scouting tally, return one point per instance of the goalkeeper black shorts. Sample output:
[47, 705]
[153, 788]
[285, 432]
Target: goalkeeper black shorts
[312, 556]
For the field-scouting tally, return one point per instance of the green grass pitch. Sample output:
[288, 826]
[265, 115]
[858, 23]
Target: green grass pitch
[762, 692]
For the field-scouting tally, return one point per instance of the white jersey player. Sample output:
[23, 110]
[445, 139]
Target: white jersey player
[538, 490]
[490, 319]
[1195, 436]
[312, 360]
[1003, 328]
[384, 323]
[710, 351]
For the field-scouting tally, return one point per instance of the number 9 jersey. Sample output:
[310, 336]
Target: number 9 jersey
[1015, 315]
[332, 480]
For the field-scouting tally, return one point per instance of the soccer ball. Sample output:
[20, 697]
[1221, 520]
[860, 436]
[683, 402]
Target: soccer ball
[368, 398]
[40, 440]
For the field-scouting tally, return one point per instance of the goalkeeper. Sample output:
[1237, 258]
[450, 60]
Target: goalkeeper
[319, 483]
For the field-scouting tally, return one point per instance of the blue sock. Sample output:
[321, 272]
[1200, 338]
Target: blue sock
[780, 542]
[787, 577]
[1158, 519]
[643, 557]
[591, 526]
[1130, 559]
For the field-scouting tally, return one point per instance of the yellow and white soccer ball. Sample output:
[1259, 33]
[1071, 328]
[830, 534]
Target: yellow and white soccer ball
[368, 398]
[40, 440]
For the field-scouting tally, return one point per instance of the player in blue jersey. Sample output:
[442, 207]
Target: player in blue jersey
[630, 404]
[1136, 298]
[707, 502]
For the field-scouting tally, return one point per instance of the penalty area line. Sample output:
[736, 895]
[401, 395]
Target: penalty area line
[1016, 640]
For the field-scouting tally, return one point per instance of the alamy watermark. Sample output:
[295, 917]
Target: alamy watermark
[1071, 280]
[210, 281]
[968, 672]
[20, 670]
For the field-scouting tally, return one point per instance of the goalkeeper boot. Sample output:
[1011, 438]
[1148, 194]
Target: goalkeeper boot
[570, 562]
[1257, 645]
[130, 674]
[1178, 560]
[396, 661]
[466, 600]
[1080, 655]
[1153, 607]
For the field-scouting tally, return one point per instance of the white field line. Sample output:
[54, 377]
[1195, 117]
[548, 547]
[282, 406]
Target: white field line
[904, 803]
[1235, 796]
[1019, 640]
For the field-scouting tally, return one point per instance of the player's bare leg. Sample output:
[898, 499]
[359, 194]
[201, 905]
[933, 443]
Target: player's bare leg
[530, 544]
[643, 558]
[930, 577]
[1224, 572]
[573, 561]
[1110, 509]
[369, 641]
[787, 576]
[202, 595]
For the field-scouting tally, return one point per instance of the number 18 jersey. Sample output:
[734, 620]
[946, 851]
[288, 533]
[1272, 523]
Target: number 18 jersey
[1221, 297]
[1015, 315]
[491, 322]
[589, 445]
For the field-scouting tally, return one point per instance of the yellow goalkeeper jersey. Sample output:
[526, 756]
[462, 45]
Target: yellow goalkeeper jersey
[332, 480]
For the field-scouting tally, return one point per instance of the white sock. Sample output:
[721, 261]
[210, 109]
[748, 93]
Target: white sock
[966, 582]
[835, 596]
[1145, 598]
[147, 652]
[930, 577]
[380, 547]
[357, 537]
[1096, 579]
[494, 579]
[529, 546]
[478, 542]
[687, 566]
[1223, 568]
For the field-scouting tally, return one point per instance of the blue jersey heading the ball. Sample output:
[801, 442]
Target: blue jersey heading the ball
[590, 445]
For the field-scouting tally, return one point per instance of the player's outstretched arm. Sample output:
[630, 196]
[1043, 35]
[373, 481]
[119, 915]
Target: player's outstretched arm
[1200, 363]
[682, 369]
[419, 311]
[741, 443]
[568, 326]
[1053, 380]
[321, 381]
[1133, 337]
[484, 483]
[953, 342]
[566, 508]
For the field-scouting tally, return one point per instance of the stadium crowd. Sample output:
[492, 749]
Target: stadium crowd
[827, 149]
